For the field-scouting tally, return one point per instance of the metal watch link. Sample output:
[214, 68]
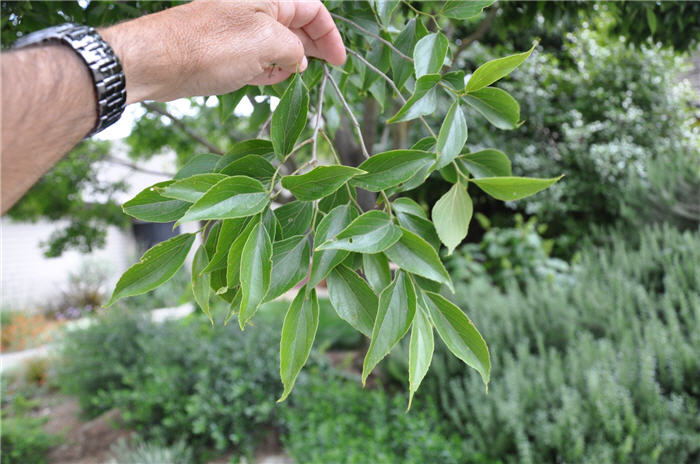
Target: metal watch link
[104, 66]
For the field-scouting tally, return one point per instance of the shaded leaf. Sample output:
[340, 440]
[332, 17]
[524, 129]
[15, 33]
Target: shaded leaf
[235, 251]
[370, 233]
[461, 9]
[229, 229]
[290, 263]
[289, 118]
[452, 136]
[413, 254]
[294, 217]
[191, 188]
[154, 268]
[256, 267]
[486, 163]
[422, 102]
[229, 101]
[397, 306]
[319, 182]
[149, 205]
[420, 351]
[200, 164]
[233, 197]
[390, 168]
[408, 206]
[459, 334]
[496, 105]
[298, 333]
[352, 298]
[377, 272]
[402, 68]
[325, 260]
[200, 281]
[254, 166]
[244, 148]
[429, 54]
[421, 227]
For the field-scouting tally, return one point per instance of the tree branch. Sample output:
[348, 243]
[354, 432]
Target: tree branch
[355, 124]
[188, 130]
[478, 33]
[134, 167]
[373, 35]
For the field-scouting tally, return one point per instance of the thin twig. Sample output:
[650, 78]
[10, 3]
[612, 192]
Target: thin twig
[417, 11]
[121, 162]
[319, 113]
[294, 150]
[188, 130]
[391, 83]
[349, 111]
[265, 124]
[372, 34]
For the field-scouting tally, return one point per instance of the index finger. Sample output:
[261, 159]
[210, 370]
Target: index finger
[314, 19]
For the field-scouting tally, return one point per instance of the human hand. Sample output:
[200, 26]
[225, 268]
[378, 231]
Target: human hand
[212, 47]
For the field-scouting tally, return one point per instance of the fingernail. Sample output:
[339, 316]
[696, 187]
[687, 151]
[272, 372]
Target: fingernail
[304, 64]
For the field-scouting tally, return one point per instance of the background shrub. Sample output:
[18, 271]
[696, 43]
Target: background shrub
[329, 419]
[604, 369]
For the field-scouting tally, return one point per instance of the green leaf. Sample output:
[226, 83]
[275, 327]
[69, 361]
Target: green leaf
[496, 105]
[651, 20]
[254, 166]
[289, 118]
[452, 214]
[461, 9]
[452, 136]
[513, 188]
[486, 163]
[298, 333]
[455, 79]
[493, 70]
[370, 233]
[201, 281]
[415, 255]
[229, 229]
[229, 101]
[149, 205]
[246, 147]
[402, 68]
[377, 272]
[384, 9]
[422, 102]
[212, 238]
[429, 54]
[256, 268]
[154, 268]
[390, 168]
[236, 196]
[290, 263]
[352, 298]
[200, 164]
[271, 224]
[337, 198]
[421, 227]
[319, 182]
[191, 189]
[235, 252]
[459, 334]
[295, 217]
[397, 306]
[420, 351]
[407, 206]
[325, 260]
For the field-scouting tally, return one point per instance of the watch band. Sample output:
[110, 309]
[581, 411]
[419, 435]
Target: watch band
[104, 66]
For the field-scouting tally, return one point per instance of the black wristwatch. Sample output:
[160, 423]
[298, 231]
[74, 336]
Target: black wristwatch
[104, 66]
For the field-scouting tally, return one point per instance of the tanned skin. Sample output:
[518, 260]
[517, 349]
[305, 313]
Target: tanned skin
[207, 47]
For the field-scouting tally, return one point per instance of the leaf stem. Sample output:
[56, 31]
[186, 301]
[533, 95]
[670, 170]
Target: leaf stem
[419, 12]
[319, 114]
[373, 35]
[264, 126]
[355, 124]
[284, 160]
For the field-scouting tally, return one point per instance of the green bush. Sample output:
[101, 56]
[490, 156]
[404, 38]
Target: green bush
[603, 370]
[211, 387]
[509, 254]
[22, 439]
[601, 112]
[331, 420]
[139, 451]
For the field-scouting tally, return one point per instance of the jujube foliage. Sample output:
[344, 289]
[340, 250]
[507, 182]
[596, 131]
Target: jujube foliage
[382, 267]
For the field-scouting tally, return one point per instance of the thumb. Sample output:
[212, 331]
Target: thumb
[283, 49]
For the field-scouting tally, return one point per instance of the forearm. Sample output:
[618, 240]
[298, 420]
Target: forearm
[48, 106]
